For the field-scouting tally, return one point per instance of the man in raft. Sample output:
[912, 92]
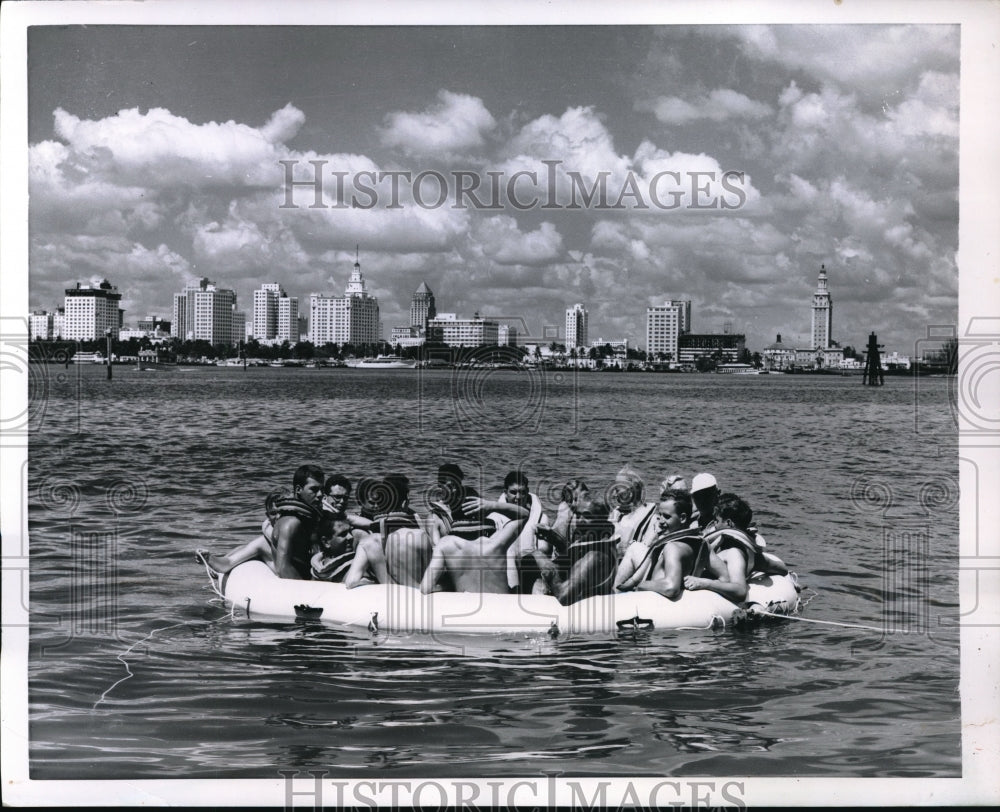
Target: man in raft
[732, 538]
[584, 533]
[398, 549]
[294, 521]
[476, 560]
[634, 519]
[516, 491]
[678, 551]
[446, 506]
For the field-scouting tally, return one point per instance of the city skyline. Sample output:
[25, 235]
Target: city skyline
[136, 176]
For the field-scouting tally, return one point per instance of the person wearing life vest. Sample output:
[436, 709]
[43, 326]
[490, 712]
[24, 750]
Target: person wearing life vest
[704, 496]
[446, 503]
[288, 532]
[397, 550]
[731, 538]
[476, 560]
[679, 551]
[532, 537]
[590, 548]
[634, 519]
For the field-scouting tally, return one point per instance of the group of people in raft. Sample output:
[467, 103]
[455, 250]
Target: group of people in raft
[690, 538]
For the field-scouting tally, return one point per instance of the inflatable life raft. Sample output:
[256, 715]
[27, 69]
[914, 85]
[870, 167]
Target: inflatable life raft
[255, 589]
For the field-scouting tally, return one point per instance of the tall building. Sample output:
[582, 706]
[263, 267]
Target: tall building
[203, 312]
[349, 319]
[265, 311]
[822, 313]
[576, 326]
[275, 315]
[506, 335]
[288, 320]
[239, 327]
[90, 311]
[664, 325]
[422, 306]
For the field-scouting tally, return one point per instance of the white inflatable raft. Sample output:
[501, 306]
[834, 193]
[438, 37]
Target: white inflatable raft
[253, 588]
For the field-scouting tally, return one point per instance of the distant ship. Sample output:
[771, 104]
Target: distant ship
[385, 362]
[737, 369]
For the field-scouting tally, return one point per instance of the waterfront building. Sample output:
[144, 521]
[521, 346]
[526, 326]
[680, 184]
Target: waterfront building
[778, 356]
[664, 325]
[349, 319]
[422, 307]
[576, 326]
[239, 327]
[822, 313]
[154, 326]
[275, 315]
[458, 332]
[203, 312]
[92, 310]
[45, 325]
[265, 311]
[288, 320]
[619, 346]
[692, 346]
[826, 358]
[506, 335]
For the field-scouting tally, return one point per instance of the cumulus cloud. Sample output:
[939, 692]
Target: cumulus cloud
[875, 60]
[162, 149]
[718, 105]
[457, 124]
[501, 240]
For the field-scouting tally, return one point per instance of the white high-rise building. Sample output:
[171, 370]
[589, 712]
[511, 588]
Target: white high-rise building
[204, 312]
[90, 311]
[349, 319]
[265, 311]
[288, 320]
[275, 315]
[664, 325]
[576, 326]
[822, 313]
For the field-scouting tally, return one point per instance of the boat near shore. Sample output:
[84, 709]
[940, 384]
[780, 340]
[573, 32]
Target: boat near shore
[384, 362]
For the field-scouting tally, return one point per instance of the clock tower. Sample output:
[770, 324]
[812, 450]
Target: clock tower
[822, 313]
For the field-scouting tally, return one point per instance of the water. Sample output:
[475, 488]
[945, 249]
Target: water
[136, 672]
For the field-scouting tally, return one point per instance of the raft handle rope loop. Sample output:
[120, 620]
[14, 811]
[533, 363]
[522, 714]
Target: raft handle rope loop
[123, 661]
[213, 576]
[373, 623]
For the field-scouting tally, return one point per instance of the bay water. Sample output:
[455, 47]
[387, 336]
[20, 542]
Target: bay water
[136, 670]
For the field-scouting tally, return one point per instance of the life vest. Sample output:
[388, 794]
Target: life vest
[289, 506]
[389, 523]
[331, 568]
[757, 560]
[642, 524]
[685, 535]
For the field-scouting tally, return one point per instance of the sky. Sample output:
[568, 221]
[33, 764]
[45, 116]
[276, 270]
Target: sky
[155, 160]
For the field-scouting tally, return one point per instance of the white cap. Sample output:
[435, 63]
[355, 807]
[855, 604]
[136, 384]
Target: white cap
[702, 482]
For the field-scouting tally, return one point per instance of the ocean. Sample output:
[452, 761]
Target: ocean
[137, 671]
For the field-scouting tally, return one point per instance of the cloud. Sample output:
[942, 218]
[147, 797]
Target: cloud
[500, 239]
[876, 61]
[457, 125]
[718, 105]
[162, 149]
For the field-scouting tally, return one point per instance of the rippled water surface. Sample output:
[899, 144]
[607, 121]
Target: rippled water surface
[136, 672]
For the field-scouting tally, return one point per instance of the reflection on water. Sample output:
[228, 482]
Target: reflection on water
[136, 672]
